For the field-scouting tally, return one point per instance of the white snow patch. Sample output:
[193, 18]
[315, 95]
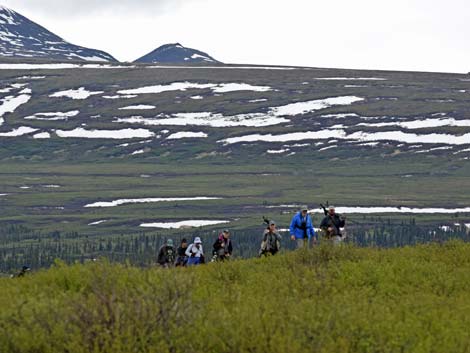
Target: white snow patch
[274, 116]
[340, 116]
[138, 107]
[42, 135]
[126, 96]
[97, 222]
[421, 124]
[31, 77]
[258, 100]
[370, 210]
[80, 93]
[186, 134]
[183, 86]
[358, 136]
[23, 130]
[310, 106]
[232, 87]
[182, 224]
[53, 116]
[277, 151]
[137, 152]
[351, 79]
[197, 97]
[149, 200]
[355, 86]
[10, 104]
[106, 134]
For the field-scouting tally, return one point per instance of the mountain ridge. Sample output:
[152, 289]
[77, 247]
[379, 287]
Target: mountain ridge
[176, 53]
[22, 38]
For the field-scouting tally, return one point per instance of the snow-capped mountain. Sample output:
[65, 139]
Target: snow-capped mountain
[176, 54]
[20, 37]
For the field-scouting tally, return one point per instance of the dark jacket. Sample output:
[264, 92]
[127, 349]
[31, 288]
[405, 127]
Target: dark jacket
[166, 255]
[223, 246]
[334, 222]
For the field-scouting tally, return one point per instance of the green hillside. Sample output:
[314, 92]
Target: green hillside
[344, 299]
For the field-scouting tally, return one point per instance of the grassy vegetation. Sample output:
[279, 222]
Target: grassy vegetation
[342, 299]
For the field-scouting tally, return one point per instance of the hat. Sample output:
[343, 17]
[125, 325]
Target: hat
[226, 231]
[304, 208]
[197, 240]
[272, 223]
[331, 207]
[169, 242]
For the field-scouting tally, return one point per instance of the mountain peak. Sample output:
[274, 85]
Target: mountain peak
[23, 38]
[175, 53]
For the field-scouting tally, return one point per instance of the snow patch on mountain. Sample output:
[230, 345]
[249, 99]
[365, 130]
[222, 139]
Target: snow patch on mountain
[183, 86]
[80, 93]
[182, 224]
[22, 130]
[274, 115]
[186, 134]
[105, 134]
[53, 116]
[138, 107]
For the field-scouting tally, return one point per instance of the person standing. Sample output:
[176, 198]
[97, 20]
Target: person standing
[181, 258]
[301, 228]
[195, 252]
[331, 226]
[167, 254]
[271, 242]
[223, 246]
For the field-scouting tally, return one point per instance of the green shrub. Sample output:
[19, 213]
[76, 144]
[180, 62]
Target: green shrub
[329, 299]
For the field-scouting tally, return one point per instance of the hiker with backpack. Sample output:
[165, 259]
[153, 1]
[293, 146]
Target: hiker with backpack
[195, 253]
[271, 243]
[167, 254]
[222, 248]
[181, 258]
[301, 229]
[331, 226]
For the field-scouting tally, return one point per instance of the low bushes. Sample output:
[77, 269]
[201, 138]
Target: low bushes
[344, 299]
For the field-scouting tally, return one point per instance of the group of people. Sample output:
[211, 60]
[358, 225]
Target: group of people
[193, 254]
[301, 231]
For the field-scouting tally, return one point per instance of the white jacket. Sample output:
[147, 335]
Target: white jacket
[193, 251]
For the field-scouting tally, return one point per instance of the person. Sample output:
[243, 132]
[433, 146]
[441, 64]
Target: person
[167, 254]
[182, 259]
[223, 246]
[271, 243]
[195, 253]
[301, 228]
[331, 226]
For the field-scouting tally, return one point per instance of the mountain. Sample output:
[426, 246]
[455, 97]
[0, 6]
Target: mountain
[20, 37]
[176, 54]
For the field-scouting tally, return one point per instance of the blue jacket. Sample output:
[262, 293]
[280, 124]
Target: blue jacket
[296, 226]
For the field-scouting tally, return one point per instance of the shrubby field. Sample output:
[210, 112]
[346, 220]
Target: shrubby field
[342, 299]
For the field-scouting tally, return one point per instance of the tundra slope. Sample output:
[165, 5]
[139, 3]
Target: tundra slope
[255, 137]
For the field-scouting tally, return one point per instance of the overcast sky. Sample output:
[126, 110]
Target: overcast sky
[424, 35]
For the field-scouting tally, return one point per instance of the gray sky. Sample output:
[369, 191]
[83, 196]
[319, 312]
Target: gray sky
[423, 35]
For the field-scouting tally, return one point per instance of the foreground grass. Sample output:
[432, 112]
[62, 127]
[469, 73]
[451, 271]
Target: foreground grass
[327, 300]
